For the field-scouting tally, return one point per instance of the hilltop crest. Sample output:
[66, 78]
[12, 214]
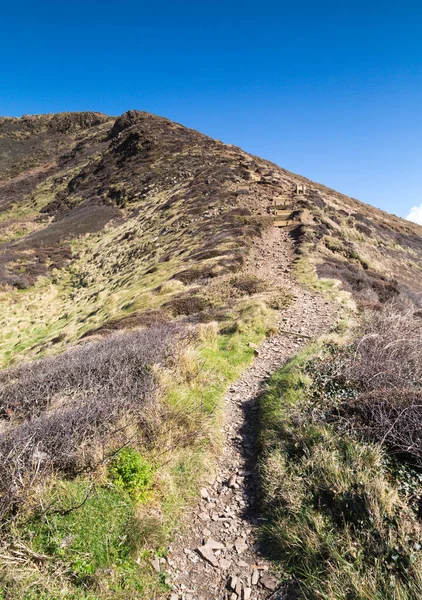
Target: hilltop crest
[157, 199]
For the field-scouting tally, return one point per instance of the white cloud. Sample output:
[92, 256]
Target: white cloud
[415, 214]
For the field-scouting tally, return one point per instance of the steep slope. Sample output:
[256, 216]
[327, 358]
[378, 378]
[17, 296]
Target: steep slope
[375, 255]
[142, 264]
[173, 201]
[136, 200]
[36, 141]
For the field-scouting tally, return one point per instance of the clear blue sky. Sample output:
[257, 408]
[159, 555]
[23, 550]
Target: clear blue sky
[330, 90]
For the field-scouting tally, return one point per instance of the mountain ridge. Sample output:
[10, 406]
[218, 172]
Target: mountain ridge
[159, 182]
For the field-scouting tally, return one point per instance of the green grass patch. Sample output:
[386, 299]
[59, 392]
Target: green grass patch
[306, 274]
[87, 527]
[93, 535]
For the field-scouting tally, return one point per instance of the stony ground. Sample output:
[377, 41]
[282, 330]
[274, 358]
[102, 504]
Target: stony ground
[217, 556]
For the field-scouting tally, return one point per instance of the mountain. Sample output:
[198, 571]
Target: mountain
[96, 212]
[157, 289]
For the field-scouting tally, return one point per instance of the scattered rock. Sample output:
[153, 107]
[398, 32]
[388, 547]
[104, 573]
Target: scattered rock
[232, 481]
[240, 545]
[247, 593]
[268, 582]
[204, 494]
[255, 576]
[207, 553]
[156, 564]
[214, 545]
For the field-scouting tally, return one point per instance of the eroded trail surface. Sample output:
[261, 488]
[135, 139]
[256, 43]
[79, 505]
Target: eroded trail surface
[217, 556]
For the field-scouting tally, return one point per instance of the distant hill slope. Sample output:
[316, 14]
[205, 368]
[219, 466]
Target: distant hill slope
[98, 213]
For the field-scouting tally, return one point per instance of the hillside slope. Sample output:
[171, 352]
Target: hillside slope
[111, 209]
[142, 267]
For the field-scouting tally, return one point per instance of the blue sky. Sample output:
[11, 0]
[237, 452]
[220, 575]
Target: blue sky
[327, 89]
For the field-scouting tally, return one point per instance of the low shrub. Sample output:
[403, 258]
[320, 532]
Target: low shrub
[62, 413]
[250, 284]
[393, 417]
[190, 275]
[118, 365]
[388, 349]
[131, 473]
[186, 304]
[141, 319]
[386, 368]
[365, 284]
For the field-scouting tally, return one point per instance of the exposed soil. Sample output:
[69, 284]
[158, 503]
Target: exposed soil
[217, 555]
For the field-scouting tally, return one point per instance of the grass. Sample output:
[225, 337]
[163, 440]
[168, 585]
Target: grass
[127, 510]
[90, 537]
[333, 518]
[78, 299]
[306, 273]
[95, 547]
[113, 273]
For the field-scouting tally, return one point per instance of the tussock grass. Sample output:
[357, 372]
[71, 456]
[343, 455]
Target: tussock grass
[333, 518]
[306, 273]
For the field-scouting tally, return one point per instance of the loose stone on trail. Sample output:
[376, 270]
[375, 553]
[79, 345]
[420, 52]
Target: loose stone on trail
[223, 528]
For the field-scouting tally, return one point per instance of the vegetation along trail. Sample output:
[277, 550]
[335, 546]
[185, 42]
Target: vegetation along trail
[218, 554]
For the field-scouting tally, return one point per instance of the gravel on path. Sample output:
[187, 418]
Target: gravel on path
[217, 555]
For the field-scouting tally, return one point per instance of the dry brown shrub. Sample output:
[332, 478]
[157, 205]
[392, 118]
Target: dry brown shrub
[249, 284]
[58, 411]
[389, 352]
[387, 369]
[393, 417]
[186, 305]
[146, 318]
[191, 275]
[365, 284]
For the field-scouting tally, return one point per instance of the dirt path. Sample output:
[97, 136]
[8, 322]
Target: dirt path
[218, 556]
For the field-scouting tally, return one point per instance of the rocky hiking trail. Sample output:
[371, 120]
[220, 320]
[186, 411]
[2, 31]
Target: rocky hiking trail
[217, 555]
